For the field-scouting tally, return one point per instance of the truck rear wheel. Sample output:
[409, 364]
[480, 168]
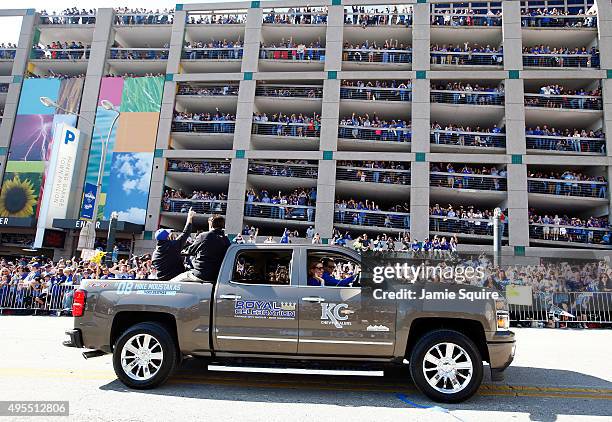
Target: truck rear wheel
[446, 366]
[144, 356]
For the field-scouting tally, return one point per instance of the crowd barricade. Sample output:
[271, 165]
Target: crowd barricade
[467, 58]
[364, 55]
[280, 212]
[371, 218]
[54, 298]
[575, 102]
[584, 307]
[568, 187]
[468, 139]
[375, 133]
[265, 168]
[566, 144]
[467, 97]
[371, 93]
[576, 60]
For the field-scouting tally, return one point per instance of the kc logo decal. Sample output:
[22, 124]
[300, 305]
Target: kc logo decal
[335, 313]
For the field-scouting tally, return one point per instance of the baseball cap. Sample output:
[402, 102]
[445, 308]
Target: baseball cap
[162, 234]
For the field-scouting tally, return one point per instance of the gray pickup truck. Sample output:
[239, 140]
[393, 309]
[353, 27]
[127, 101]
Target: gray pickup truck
[265, 309]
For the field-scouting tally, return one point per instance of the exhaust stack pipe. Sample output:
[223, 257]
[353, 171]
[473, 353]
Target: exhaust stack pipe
[93, 354]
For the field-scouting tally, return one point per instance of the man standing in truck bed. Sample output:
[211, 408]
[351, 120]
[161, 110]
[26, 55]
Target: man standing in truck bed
[208, 251]
[167, 259]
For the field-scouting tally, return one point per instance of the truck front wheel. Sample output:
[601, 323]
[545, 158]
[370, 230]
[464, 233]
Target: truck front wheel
[446, 366]
[144, 356]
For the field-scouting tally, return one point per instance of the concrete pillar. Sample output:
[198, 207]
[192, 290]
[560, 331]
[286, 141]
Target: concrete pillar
[419, 200]
[89, 102]
[604, 26]
[511, 35]
[518, 205]
[252, 39]
[421, 37]
[326, 198]
[244, 115]
[330, 115]
[607, 113]
[515, 116]
[421, 115]
[334, 37]
[235, 196]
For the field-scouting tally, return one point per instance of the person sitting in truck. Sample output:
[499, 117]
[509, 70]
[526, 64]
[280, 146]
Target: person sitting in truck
[315, 273]
[208, 251]
[329, 266]
[167, 259]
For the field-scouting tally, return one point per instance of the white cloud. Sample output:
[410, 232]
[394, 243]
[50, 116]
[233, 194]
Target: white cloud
[135, 170]
[133, 215]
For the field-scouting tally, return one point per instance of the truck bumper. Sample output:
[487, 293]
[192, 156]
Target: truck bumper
[501, 350]
[75, 338]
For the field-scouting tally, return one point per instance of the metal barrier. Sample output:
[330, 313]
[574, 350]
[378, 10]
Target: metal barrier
[143, 19]
[568, 187]
[470, 139]
[578, 60]
[559, 21]
[219, 53]
[200, 206]
[295, 17]
[304, 130]
[372, 133]
[370, 93]
[566, 144]
[279, 212]
[373, 175]
[293, 53]
[208, 90]
[53, 19]
[371, 218]
[577, 102]
[565, 233]
[296, 91]
[467, 97]
[376, 18]
[139, 53]
[468, 181]
[60, 53]
[265, 168]
[379, 55]
[469, 226]
[594, 307]
[203, 167]
[217, 17]
[465, 19]
[8, 53]
[199, 126]
[40, 299]
[467, 58]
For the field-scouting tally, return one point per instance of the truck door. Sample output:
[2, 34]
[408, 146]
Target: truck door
[256, 311]
[341, 320]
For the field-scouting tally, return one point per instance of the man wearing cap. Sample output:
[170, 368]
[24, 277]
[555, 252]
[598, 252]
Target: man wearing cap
[167, 259]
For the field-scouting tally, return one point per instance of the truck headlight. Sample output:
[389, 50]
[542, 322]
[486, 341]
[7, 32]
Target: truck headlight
[503, 321]
[501, 304]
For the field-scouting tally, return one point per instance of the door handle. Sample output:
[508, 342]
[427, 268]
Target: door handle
[313, 299]
[230, 297]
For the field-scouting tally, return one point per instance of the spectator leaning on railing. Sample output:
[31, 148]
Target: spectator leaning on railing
[141, 16]
[466, 54]
[365, 16]
[373, 128]
[474, 136]
[68, 16]
[568, 183]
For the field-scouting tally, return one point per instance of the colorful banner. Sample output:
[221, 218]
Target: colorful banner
[89, 200]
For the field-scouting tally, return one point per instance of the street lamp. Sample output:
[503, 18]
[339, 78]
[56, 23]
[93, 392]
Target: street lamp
[107, 105]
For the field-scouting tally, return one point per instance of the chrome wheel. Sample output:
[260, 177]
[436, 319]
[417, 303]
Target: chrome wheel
[141, 357]
[447, 368]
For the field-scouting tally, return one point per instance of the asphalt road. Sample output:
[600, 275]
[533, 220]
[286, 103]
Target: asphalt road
[558, 375]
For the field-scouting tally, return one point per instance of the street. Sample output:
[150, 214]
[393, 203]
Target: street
[558, 375]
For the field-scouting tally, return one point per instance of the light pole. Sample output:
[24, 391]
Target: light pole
[107, 105]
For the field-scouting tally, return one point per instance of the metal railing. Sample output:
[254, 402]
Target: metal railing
[267, 168]
[465, 19]
[373, 175]
[468, 181]
[143, 18]
[594, 307]
[559, 21]
[470, 226]
[293, 53]
[369, 133]
[280, 212]
[363, 55]
[200, 206]
[565, 233]
[403, 18]
[208, 90]
[199, 126]
[7, 53]
[295, 91]
[203, 167]
[54, 19]
[566, 144]
[468, 139]
[467, 97]
[562, 187]
[295, 17]
[375, 93]
[371, 218]
[561, 60]
[146, 53]
[466, 58]
[576, 102]
[206, 53]
[42, 299]
[217, 18]
[60, 53]
[304, 130]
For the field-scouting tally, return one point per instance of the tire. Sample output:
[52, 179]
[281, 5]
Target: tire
[161, 358]
[436, 345]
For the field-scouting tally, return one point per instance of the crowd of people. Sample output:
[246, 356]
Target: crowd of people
[216, 18]
[298, 204]
[575, 140]
[374, 128]
[467, 93]
[462, 219]
[570, 229]
[465, 176]
[70, 16]
[142, 16]
[288, 92]
[216, 122]
[385, 90]
[186, 89]
[472, 136]
[365, 16]
[202, 202]
[297, 16]
[8, 50]
[369, 213]
[557, 96]
[58, 50]
[466, 54]
[217, 167]
[118, 52]
[467, 17]
[284, 168]
[279, 124]
[214, 49]
[374, 172]
[291, 50]
[558, 17]
[546, 56]
[389, 51]
[568, 183]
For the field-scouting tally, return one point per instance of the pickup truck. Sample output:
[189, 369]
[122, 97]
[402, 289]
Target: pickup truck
[264, 310]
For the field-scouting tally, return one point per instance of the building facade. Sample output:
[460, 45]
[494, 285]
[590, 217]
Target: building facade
[273, 113]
